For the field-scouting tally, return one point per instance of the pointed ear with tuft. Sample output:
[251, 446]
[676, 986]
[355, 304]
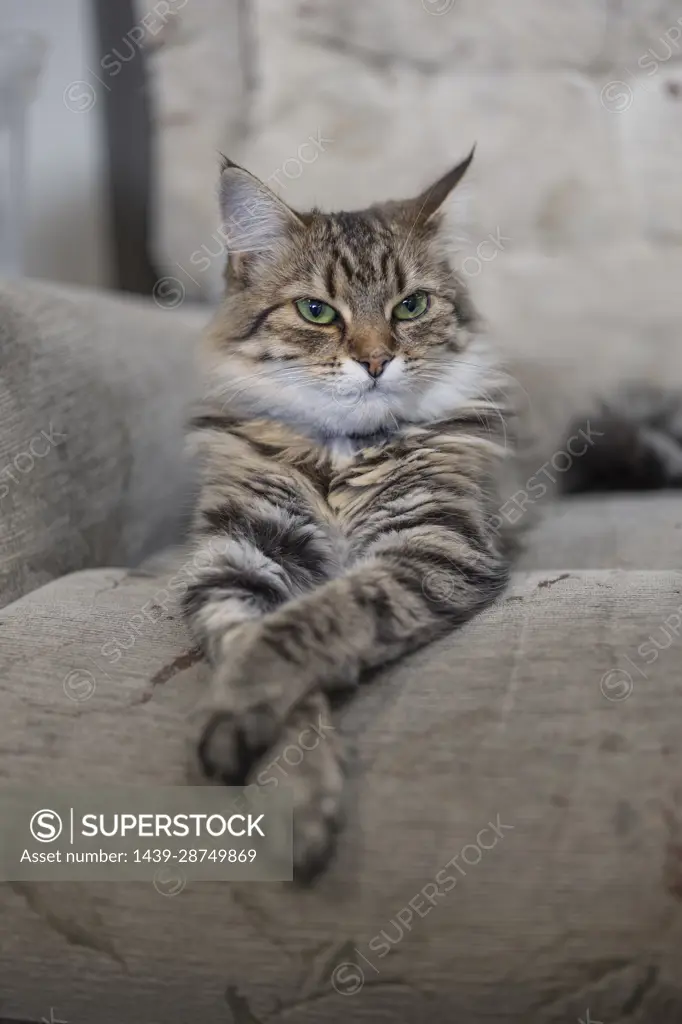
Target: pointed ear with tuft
[432, 198]
[255, 222]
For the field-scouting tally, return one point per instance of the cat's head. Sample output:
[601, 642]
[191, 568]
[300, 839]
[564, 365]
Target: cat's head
[341, 323]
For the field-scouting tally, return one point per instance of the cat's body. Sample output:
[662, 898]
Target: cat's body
[356, 439]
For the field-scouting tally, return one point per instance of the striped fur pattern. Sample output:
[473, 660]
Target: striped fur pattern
[345, 519]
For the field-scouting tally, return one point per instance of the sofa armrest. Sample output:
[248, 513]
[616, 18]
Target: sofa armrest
[513, 845]
[93, 392]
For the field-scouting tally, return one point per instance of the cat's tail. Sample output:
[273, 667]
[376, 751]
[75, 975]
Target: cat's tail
[637, 444]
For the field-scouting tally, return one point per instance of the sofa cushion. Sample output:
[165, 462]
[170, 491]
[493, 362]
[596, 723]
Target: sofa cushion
[624, 531]
[529, 762]
[93, 391]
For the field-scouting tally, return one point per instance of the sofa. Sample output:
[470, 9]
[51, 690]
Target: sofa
[513, 848]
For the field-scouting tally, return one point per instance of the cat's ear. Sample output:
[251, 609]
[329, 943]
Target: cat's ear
[431, 199]
[254, 220]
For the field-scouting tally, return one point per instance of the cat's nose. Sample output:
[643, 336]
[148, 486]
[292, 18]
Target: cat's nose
[375, 365]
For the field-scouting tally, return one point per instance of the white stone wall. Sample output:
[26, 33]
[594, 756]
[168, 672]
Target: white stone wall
[66, 230]
[576, 108]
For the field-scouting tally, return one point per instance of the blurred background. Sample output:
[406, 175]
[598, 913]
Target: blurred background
[112, 116]
[114, 113]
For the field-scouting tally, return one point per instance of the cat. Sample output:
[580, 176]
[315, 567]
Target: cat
[354, 439]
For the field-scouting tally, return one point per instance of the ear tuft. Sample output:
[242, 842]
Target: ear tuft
[225, 162]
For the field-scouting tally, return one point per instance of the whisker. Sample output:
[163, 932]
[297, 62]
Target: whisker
[285, 376]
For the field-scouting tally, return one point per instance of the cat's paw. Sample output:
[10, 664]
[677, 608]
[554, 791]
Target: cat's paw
[245, 709]
[303, 755]
[307, 759]
[230, 742]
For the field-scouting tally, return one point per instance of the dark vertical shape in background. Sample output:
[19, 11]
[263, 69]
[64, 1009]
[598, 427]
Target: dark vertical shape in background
[127, 126]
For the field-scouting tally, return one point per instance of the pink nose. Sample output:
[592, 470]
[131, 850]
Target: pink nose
[375, 365]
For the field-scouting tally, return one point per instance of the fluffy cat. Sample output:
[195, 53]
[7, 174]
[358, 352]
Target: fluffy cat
[355, 435]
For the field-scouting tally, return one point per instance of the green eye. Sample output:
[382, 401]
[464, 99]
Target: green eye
[316, 311]
[412, 306]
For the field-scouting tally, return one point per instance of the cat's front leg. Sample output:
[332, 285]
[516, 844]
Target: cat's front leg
[324, 643]
[262, 533]
[242, 739]
[263, 537]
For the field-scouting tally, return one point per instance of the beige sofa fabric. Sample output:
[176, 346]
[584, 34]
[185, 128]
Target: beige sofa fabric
[630, 531]
[93, 397]
[540, 718]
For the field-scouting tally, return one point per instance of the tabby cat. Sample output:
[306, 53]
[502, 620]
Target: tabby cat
[354, 434]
